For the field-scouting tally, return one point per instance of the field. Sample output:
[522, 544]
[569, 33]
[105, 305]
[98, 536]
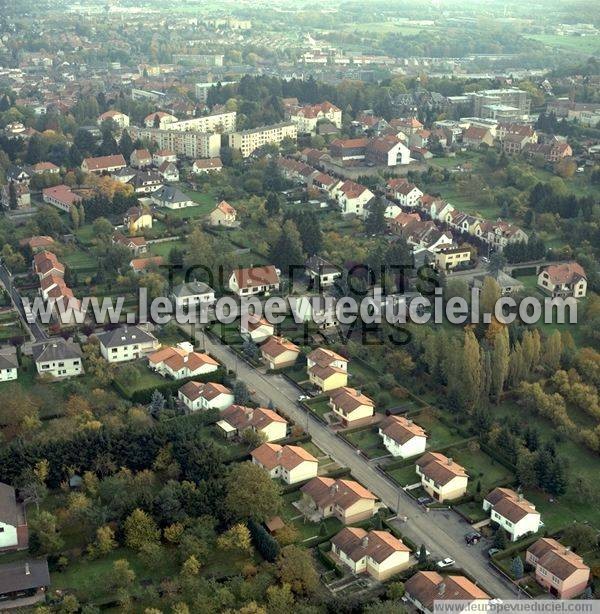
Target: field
[404, 475]
[439, 434]
[585, 45]
[164, 248]
[384, 27]
[368, 441]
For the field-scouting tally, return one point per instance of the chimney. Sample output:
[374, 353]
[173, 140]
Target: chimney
[441, 588]
[334, 488]
[27, 570]
[409, 421]
[449, 460]
[279, 453]
[365, 541]
[520, 496]
[185, 358]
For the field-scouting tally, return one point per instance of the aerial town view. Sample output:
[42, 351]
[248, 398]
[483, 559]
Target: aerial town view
[299, 306]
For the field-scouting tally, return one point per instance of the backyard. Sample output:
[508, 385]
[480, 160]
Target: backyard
[308, 530]
[368, 441]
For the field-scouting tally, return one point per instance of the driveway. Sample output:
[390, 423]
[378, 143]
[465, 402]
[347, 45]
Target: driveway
[442, 531]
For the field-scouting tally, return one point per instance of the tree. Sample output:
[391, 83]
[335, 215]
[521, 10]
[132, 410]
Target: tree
[423, 555]
[44, 537]
[471, 375]
[263, 541]
[157, 403]
[497, 263]
[375, 222]
[126, 146]
[191, 567]
[140, 529]
[489, 296]
[13, 201]
[241, 393]
[272, 205]
[280, 599]
[516, 567]
[385, 607]
[122, 575]
[287, 250]
[295, 567]
[235, 538]
[250, 493]
[500, 539]
[552, 351]
[105, 542]
[500, 362]
[580, 536]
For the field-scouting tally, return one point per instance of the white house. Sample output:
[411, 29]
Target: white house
[171, 198]
[441, 477]
[351, 405]
[352, 197]
[9, 517]
[120, 119]
[308, 116]
[237, 418]
[290, 463]
[181, 361]
[377, 553]
[57, 358]
[322, 271]
[402, 437]
[193, 294]
[159, 119]
[200, 396]
[512, 512]
[126, 343]
[9, 364]
[255, 280]
[568, 279]
[255, 328]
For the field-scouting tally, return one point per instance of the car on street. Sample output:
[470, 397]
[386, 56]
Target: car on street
[447, 562]
[472, 537]
[493, 551]
[303, 397]
[424, 500]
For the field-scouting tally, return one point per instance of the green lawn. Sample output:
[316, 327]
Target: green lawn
[404, 475]
[473, 511]
[439, 434]
[79, 260]
[368, 441]
[585, 45]
[145, 378]
[307, 530]
[164, 249]
[320, 407]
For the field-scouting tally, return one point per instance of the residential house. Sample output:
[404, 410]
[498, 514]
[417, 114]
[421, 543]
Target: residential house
[321, 271]
[160, 156]
[351, 406]
[37, 243]
[223, 215]
[210, 165]
[13, 526]
[193, 294]
[326, 369]
[103, 164]
[57, 358]
[406, 193]
[568, 279]
[508, 285]
[398, 223]
[402, 437]
[146, 181]
[407, 126]
[169, 171]
[292, 464]
[61, 197]
[448, 258]
[324, 183]
[377, 553]
[200, 396]
[345, 500]
[137, 219]
[560, 571]
[181, 362]
[476, 136]
[140, 158]
[171, 197]
[499, 234]
[349, 149]
[426, 587]
[441, 477]
[425, 234]
[23, 583]
[120, 119]
[516, 515]
[143, 265]
[254, 280]
[307, 117]
[137, 245]
[45, 167]
[387, 150]
[18, 175]
[45, 264]
[255, 328]
[159, 119]
[126, 343]
[15, 195]
[552, 152]
[237, 418]
[352, 197]
[9, 365]
[279, 353]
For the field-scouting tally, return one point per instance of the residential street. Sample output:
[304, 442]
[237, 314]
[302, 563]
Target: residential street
[442, 531]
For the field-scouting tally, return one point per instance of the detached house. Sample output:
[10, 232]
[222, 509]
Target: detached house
[351, 406]
[120, 119]
[290, 463]
[402, 437]
[387, 150]
[512, 512]
[137, 245]
[140, 158]
[13, 526]
[181, 362]
[564, 280]
[352, 197]
[169, 171]
[448, 258]
[321, 271]
[146, 181]
[171, 198]
[377, 553]
[237, 418]
[208, 165]
[223, 215]
[103, 164]
[137, 219]
[198, 395]
[126, 343]
[475, 136]
[346, 500]
[57, 358]
[326, 369]
[308, 116]
[61, 197]
[406, 193]
[255, 280]
[255, 328]
[159, 119]
[9, 364]
[193, 294]
[561, 572]
[23, 583]
[279, 353]
[441, 477]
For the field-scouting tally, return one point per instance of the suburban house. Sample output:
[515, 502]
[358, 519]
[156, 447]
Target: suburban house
[37, 243]
[352, 197]
[441, 477]
[146, 181]
[254, 280]
[326, 369]
[57, 358]
[568, 279]
[552, 151]
[136, 219]
[171, 197]
[351, 406]
[560, 571]
[377, 553]
[61, 197]
[140, 158]
[508, 285]
[126, 343]
[137, 245]
[198, 395]
[290, 463]
[346, 500]
[23, 583]
[499, 234]
[512, 512]
[13, 526]
[45, 167]
[475, 136]
[103, 164]
[279, 353]
[160, 120]
[181, 361]
[255, 328]
[406, 193]
[169, 171]
[223, 215]
[9, 364]
[401, 220]
[120, 119]
[236, 418]
[321, 271]
[46, 264]
[193, 294]
[207, 165]
[402, 437]
[426, 587]
[448, 258]
[387, 150]
[160, 156]
[22, 196]
[307, 117]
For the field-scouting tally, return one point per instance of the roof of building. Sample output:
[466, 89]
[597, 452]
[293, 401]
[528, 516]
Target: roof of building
[192, 288]
[24, 575]
[170, 194]
[241, 417]
[275, 346]
[124, 335]
[561, 563]
[176, 358]
[348, 399]
[209, 390]
[56, 349]
[402, 429]
[62, 193]
[102, 162]
[429, 586]
[510, 505]
[8, 358]
[225, 208]
[271, 455]
[567, 273]
[357, 543]
[440, 468]
[141, 264]
[8, 506]
[328, 491]
[256, 276]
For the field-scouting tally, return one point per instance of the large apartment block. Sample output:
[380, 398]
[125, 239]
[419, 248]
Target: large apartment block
[217, 122]
[190, 144]
[248, 141]
[487, 102]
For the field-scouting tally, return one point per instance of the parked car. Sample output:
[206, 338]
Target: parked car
[472, 537]
[424, 500]
[447, 562]
[303, 397]
[493, 551]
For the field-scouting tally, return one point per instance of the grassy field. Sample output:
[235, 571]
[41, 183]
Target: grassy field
[163, 249]
[368, 441]
[439, 434]
[384, 27]
[79, 260]
[585, 45]
[145, 378]
[404, 475]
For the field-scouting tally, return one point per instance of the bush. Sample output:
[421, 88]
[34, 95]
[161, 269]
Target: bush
[263, 542]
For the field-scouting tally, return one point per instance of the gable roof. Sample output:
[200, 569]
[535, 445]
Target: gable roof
[8, 505]
[124, 335]
[440, 468]
[429, 586]
[170, 194]
[271, 455]
[275, 346]
[24, 575]
[209, 391]
[357, 543]
[176, 358]
[348, 399]
[56, 349]
[567, 273]
[401, 429]
[266, 275]
[510, 505]
[102, 162]
[328, 491]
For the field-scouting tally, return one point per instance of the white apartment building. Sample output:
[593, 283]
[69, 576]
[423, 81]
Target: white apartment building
[248, 141]
[190, 144]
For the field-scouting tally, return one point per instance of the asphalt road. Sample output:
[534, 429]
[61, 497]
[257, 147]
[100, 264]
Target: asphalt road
[442, 531]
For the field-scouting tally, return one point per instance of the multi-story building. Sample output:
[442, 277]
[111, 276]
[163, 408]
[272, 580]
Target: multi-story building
[509, 97]
[190, 144]
[57, 358]
[126, 343]
[248, 141]
[216, 122]
[308, 116]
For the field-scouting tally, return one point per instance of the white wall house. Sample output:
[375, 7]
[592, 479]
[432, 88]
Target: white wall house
[292, 464]
[9, 517]
[126, 343]
[57, 358]
[512, 512]
[9, 364]
[402, 437]
[193, 294]
[198, 396]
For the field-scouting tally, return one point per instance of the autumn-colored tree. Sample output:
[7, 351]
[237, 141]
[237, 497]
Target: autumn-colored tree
[236, 537]
[140, 529]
